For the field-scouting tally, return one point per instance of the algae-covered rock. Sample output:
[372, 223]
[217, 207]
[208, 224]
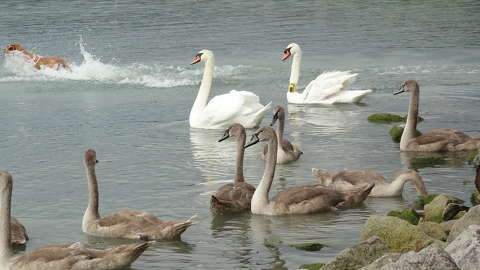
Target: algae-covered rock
[397, 131]
[385, 118]
[423, 200]
[434, 211]
[433, 229]
[408, 214]
[422, 162]
[359, 255]
[447, 225]
[308, 246]
[385, 259]
[433, 257]
[472, 217]
[475, 198]
[471, 156]
[399, 235]
[312, 266]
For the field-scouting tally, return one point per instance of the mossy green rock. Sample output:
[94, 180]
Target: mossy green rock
[433, 229]
[312, 266]
[472, 217]
[398, 234]
[308, 246]
[475, 198]
[387, 118]
[408, 214]
[423, 200]
[422, 162]
[359, 255]
[397, 131]
[385, 259]
[435, 209]
[471, 156]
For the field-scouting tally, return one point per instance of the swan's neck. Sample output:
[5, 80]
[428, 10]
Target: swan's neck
[411, 125]
[205, 85]
[279, 131]
[260, 197]
[295, 71]
[240, 153]
[477, 179]
[396, 187]
[5, 248]
[91, 213]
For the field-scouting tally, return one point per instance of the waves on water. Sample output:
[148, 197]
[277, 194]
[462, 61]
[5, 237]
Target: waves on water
[17, 68]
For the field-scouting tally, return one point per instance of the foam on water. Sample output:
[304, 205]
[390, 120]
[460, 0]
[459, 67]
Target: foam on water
[17, 68]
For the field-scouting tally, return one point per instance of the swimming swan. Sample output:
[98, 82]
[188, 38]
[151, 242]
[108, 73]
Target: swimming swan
[68, 256]
[241, 107]
[327, 88]
[236, 196]
[286, 152]
[435, 140]
[295, 200]
[131, 224]
[348, 179]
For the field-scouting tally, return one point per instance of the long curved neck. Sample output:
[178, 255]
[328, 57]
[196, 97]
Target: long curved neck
[205, 85]
[411, 125]
[295, 70]
[279, 130]
[92, 209]
[397, 185]
[477, 179]
[5, 248]
[261, 193]
[240, 153]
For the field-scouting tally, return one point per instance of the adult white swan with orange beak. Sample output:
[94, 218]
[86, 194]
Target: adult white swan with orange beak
[222, 111]
[327, 88]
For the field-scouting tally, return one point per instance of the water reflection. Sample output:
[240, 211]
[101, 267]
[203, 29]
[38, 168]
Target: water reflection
[210, 156]
[328, 119]
[262, 233]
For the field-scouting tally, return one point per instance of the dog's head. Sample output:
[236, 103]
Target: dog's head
[12, 47]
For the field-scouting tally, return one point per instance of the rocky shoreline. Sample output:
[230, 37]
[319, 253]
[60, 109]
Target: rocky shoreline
[441, 234]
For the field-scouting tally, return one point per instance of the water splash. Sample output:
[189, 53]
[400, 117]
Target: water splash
[17, 68]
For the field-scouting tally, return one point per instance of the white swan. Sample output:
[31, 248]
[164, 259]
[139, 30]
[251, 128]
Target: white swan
[68, 256]
[327, 88]
[222, 111]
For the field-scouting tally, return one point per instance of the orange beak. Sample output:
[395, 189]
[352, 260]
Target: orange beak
[196, 59]
[286, 55]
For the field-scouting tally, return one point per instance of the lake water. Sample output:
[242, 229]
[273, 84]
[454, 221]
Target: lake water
[132, 88]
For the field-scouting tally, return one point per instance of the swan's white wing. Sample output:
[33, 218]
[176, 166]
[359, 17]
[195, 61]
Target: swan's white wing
[234, 107]
[327, 85]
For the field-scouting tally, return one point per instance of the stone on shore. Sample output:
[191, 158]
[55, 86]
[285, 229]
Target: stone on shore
[398, 234]
[359, 255]
[385, 259]
[433, 229]
[434, 211]
[472, 217]
[430, 258]
[465, 249]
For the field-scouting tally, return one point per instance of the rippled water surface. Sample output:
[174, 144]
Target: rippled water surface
[132, 88]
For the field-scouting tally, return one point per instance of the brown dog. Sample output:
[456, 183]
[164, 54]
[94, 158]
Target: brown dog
[49, 61]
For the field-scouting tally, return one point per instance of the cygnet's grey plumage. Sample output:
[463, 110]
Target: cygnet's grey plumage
[130, 224]
[286, 152]
[348, 179]
[234, 197]
[435, 140]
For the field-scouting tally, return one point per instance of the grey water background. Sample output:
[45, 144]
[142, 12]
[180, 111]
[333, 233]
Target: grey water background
[132, 89]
